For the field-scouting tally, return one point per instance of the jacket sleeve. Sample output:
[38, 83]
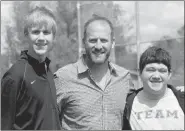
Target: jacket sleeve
[179, 95]
[125, 121]
[128, 107]
[8, 102]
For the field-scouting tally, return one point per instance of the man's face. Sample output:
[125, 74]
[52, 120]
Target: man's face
[40, 40]
[155, 77]
[98, 42]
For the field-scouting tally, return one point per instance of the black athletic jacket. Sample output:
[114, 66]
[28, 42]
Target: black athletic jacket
[130, 98]
[28, 96]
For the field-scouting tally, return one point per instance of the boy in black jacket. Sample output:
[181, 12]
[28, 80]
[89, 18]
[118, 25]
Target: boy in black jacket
[156, 106]
[28, 93]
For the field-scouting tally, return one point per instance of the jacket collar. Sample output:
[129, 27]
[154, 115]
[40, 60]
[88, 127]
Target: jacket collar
[38, 67]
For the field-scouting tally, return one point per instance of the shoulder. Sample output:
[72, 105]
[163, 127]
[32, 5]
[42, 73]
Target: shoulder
[179, 96]
[120, 70]
[129, 101]
[13, 76]
[132, 93]
[16, 70]
[66, 70]
[65, 74]
[175, 91]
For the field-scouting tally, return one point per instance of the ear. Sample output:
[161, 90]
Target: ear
[139, 73]
[54, 41]
[113, 43]
[169, 75]
[83, 41]
[26, 36]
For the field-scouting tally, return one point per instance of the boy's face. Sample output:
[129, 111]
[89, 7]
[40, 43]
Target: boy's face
[40, 40]
[155, 77]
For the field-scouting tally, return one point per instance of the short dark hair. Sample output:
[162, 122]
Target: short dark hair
[40, 16]
[98, 18]
[155, 55]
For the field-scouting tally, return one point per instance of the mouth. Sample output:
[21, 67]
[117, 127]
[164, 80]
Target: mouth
[98, 53]
[41, 44]
[156, 81]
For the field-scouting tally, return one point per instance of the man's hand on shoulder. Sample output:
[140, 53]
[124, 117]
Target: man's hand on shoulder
[181, 88]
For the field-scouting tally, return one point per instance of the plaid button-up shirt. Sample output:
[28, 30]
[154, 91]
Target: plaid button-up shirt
[85, 106]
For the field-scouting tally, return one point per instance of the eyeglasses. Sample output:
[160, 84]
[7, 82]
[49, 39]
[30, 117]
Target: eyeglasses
[94, 40]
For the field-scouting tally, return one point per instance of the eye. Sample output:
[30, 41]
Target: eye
[163, 70]
[93, 40]
[46, 32]
[104, 40]
[36, 32]
[150, 69]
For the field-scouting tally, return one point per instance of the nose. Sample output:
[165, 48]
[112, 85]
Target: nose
[41, 37]
[98, 45]
[156, 76]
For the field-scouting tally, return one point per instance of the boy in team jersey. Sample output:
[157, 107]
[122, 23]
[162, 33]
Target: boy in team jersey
[158, 105]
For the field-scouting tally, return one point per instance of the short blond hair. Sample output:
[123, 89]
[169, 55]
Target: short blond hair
[40, 16]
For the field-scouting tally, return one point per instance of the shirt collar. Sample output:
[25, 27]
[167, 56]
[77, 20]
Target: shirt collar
[82, 66]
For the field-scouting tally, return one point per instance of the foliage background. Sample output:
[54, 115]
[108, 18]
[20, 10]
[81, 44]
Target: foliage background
[66, 48]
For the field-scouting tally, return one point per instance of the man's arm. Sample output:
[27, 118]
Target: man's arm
[8, 102]
[60, 84]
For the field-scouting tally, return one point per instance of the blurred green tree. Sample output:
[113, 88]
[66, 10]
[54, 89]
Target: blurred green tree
[176, 49]
[66, 43]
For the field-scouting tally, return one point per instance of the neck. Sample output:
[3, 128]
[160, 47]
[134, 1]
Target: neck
[97, 70]
[154, 96]
[37, 57]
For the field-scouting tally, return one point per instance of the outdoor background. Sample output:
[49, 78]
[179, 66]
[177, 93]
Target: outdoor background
[137, 25]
